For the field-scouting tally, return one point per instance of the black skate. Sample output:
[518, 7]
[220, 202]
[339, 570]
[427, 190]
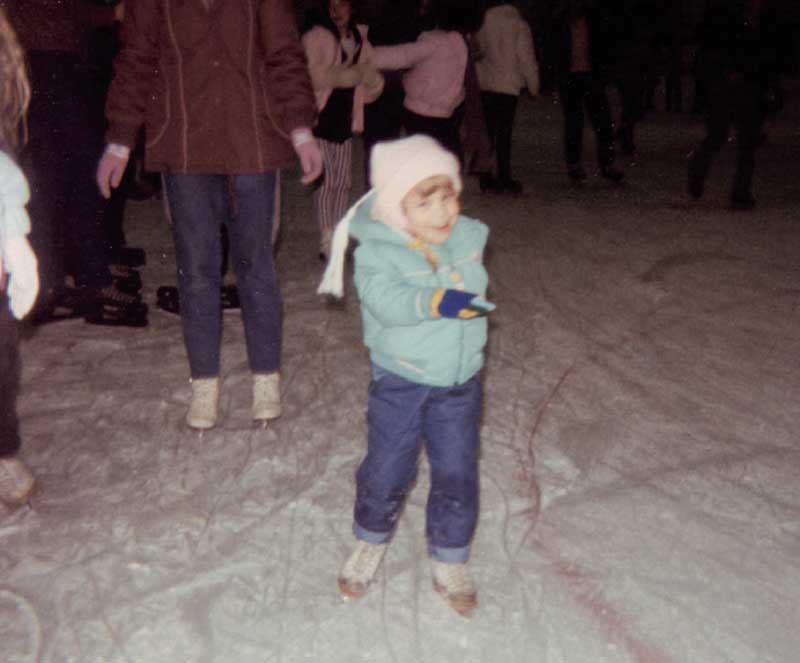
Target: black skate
[128, 256]
[126, 279]
[113, 308]
[65, 303]
[168, 299]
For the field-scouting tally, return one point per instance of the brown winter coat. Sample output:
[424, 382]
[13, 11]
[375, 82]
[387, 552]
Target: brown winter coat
[218, 90]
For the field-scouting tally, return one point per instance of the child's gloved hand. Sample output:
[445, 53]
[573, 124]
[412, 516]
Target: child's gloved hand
[448, 303]
[20, 263]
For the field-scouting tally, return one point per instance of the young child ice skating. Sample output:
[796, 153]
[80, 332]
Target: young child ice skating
[19, 280]
[421, 283]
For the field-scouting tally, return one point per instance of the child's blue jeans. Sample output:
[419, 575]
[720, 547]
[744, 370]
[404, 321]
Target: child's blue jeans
[200, 204]
[399, 413]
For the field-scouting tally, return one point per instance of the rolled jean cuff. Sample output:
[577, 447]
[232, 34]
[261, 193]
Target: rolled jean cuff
[371, 537]
[449, 555]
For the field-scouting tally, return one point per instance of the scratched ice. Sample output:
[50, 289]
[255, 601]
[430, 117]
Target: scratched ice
[640, 494]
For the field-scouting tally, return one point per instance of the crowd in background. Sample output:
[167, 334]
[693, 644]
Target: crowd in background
[484, 53]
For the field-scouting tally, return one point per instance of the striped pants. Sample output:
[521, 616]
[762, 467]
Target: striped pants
[332, 195]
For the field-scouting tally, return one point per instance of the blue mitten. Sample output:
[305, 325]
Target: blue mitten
[447, 303]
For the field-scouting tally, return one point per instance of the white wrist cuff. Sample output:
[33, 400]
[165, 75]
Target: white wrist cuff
[301, 136]
[118, 150]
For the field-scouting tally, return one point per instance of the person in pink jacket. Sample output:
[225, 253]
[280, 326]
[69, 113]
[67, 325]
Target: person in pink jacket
[339, 57]
[435, 66]
[505, 63]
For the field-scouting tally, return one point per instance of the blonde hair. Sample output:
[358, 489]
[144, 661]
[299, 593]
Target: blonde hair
[15, 90]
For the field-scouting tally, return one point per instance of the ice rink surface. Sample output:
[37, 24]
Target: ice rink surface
[640, 492]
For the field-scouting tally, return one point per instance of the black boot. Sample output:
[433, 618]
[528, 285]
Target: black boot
[129, 256]
[576, 173]
[168, 299]
[742, 200]
[612, 174]
[488, 183]
[625, 137]
[510, 186]
[112, 307]
[62, 303]
[695, 187]
[698, 168]
[126, 279]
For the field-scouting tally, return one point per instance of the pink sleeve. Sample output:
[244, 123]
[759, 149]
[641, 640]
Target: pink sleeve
[403, 56]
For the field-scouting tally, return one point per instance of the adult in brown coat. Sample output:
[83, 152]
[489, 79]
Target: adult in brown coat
[222, 89]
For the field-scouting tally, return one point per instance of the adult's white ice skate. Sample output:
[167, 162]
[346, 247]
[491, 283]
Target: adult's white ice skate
[266, 396]
[204, 407]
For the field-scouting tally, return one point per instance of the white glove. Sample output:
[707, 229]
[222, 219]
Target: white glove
[20, 264]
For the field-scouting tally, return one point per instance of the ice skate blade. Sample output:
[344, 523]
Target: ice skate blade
[463, 604]
[267, 415]
[199, 429]
[265, 420]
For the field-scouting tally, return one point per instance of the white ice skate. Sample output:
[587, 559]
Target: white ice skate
[454, 583]
[360, 568]
[16, 481]
[266, 396]
[202, 413]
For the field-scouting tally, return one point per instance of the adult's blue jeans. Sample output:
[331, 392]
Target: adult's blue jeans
[399, 414]
[199, 205]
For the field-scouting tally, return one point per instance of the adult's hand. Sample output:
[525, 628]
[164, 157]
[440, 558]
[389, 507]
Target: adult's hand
[307, 149]
[111, 168]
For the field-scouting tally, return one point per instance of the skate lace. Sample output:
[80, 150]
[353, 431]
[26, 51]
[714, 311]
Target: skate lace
[454, 578]
[368, 558]
[266, 387]
[112, 294]
[203, 391]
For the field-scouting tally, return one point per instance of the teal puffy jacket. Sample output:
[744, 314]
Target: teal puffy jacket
[395, 282]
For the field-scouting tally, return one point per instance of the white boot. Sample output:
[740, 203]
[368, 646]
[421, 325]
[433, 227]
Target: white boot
[202, 412]
[16, 481]
[360, 568]
[266, 396]
[454, 583]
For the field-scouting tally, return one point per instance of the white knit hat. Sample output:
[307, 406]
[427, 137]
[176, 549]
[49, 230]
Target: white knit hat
[396, 167]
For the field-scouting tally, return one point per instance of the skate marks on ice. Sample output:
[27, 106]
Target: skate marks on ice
[559, 475]
[678, 403]
[20, 628]
[665, 459]
[664, 266]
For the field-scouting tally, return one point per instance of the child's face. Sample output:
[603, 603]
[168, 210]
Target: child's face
[339, 11]
[431, 209]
